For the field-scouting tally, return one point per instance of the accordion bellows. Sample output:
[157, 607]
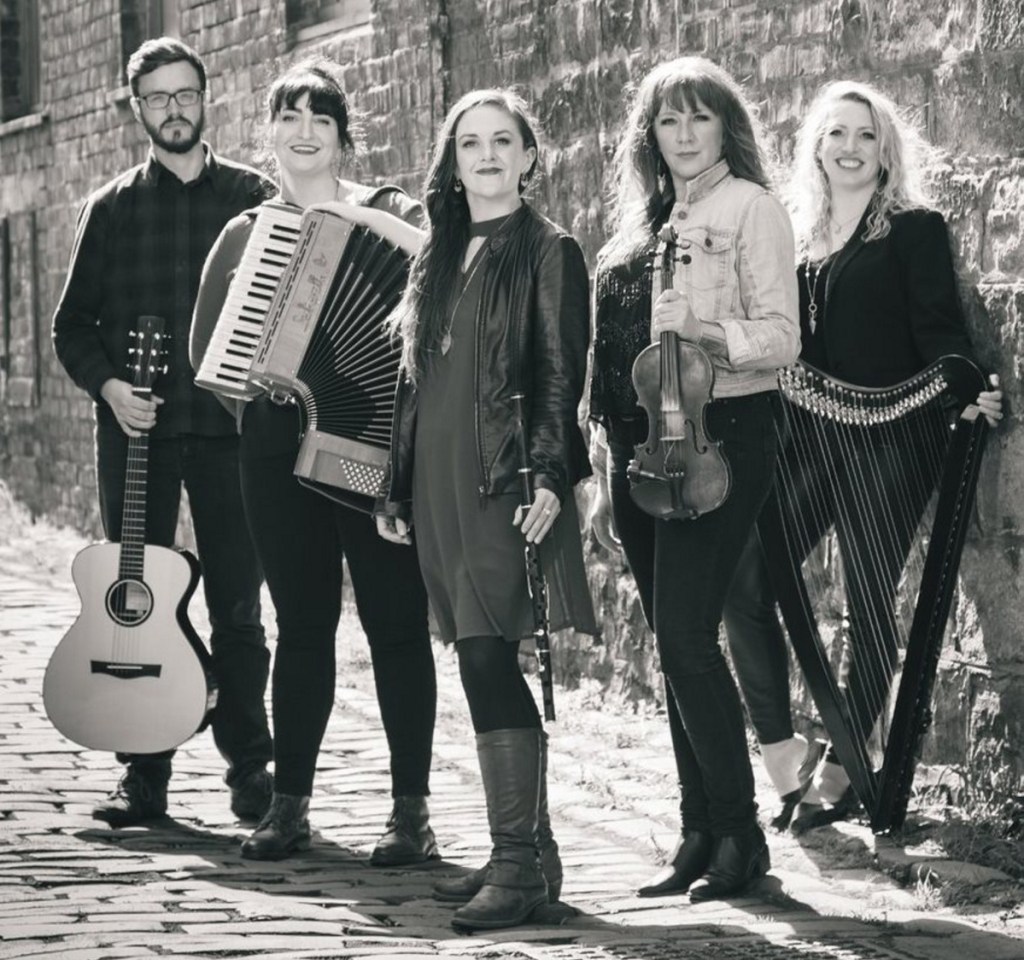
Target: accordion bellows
[322, 342]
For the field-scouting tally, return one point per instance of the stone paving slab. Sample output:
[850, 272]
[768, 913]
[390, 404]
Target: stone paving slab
[74, 889]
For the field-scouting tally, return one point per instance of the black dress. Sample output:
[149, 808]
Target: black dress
[471, 556]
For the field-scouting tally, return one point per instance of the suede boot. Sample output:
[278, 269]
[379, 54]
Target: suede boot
[408, 838]
[736, 862]
[283, 830]
[463, 889]
[688, 862]
[514, 886]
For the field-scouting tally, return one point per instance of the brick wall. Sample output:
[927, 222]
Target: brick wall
[957, 63]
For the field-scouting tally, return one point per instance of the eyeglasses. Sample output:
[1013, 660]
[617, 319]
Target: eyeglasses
[188, 97]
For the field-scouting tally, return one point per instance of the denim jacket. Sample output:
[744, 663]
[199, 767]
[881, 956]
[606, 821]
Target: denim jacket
[735, 262]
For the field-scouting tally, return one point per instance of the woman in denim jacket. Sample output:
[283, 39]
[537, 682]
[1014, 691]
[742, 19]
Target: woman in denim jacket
[691, 158]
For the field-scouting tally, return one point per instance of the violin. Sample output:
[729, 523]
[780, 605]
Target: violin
[678, 473]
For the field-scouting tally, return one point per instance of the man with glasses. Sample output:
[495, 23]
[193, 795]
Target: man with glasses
[139, 249]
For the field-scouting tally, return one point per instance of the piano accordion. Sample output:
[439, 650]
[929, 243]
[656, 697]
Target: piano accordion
[324, 344]
[863, 533]
[228, 359]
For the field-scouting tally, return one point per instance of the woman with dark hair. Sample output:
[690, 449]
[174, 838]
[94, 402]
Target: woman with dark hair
[691, 159]
[878, 304]
[497, 305]
[302, 537]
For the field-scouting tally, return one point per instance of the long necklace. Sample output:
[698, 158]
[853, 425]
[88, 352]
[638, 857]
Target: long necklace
[811, 274]
[446, 340]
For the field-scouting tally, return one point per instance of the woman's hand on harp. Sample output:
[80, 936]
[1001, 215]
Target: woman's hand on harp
[991, 402]
[394, 529]
[540, 517]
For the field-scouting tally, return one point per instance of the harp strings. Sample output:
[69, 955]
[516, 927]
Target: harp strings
[862, 465]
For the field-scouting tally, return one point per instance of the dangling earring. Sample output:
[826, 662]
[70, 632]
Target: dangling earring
[457, 186]
[524, 178]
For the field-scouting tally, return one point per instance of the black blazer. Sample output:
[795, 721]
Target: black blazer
[890, 307]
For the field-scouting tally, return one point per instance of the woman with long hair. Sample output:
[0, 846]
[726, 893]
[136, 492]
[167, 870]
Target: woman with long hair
[878, 303]
[691, 159]
[496, 307]
[302, 537]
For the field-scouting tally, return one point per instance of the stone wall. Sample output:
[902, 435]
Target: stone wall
[956, 64]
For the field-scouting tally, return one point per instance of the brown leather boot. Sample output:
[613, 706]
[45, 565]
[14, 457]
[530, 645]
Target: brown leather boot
[514, 885]
[283, 830]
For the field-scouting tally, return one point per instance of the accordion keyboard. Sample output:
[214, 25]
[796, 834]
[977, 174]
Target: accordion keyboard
[225, 367]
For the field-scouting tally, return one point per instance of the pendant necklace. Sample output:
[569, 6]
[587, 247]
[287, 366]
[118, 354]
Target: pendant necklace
[811, 274]
[486, 229]
[446, 340]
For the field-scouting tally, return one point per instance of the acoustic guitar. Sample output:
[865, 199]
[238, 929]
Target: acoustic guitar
[132, 675]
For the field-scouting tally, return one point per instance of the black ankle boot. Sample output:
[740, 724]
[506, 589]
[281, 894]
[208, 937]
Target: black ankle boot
[283, 830]
[408, 838]
[736, 862]
[688, 862]
[141, 794]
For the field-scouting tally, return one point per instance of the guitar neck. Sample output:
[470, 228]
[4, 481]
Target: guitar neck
[133, 523]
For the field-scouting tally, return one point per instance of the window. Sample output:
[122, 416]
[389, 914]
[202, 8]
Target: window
[19, 58]
[144, 19]
[20, 336]
[307, 19]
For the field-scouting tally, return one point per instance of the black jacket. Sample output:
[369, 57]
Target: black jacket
[891, 305]
[532, 333]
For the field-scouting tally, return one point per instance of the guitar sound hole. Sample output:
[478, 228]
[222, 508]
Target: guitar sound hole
[129, 602]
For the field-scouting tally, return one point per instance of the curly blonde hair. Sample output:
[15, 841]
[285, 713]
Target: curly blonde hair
[902, 153]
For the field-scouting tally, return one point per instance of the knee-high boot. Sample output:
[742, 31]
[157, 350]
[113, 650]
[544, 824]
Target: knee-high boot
[514, 885]
[463, 889]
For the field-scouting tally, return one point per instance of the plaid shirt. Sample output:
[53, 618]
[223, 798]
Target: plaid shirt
[140, 246]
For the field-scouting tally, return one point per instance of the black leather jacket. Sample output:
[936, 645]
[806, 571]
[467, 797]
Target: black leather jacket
[532, 334]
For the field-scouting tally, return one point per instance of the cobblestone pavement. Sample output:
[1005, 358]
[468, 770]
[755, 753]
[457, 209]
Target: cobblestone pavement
[73, 889]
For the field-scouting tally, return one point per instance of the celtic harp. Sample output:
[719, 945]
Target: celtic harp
[863, 534]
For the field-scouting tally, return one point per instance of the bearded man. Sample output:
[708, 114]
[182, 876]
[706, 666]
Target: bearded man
[139, 249]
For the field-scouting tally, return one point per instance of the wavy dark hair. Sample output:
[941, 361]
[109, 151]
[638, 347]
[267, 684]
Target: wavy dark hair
[421, 317]
[322, 79]
[642, 185]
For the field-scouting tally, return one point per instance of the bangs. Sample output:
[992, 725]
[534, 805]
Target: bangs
[689, 94]
[323, 97]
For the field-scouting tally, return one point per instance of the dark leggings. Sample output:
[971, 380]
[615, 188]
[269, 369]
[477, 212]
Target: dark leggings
[302, 537]
[498, 694]
[683, 570]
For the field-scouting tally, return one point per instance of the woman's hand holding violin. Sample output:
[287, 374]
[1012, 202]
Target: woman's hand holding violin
[540, 517]
[991, 402]
[672, 311]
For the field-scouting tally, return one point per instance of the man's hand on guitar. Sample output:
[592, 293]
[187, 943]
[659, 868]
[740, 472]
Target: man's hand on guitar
[135, 414]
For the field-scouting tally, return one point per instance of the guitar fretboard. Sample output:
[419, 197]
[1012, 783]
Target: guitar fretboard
[133, 522]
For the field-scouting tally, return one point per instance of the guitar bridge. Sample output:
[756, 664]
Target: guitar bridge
[126, 671]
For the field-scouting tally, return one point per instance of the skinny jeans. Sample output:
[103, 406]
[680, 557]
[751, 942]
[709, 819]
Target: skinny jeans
[302, 537]
[683, 569]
